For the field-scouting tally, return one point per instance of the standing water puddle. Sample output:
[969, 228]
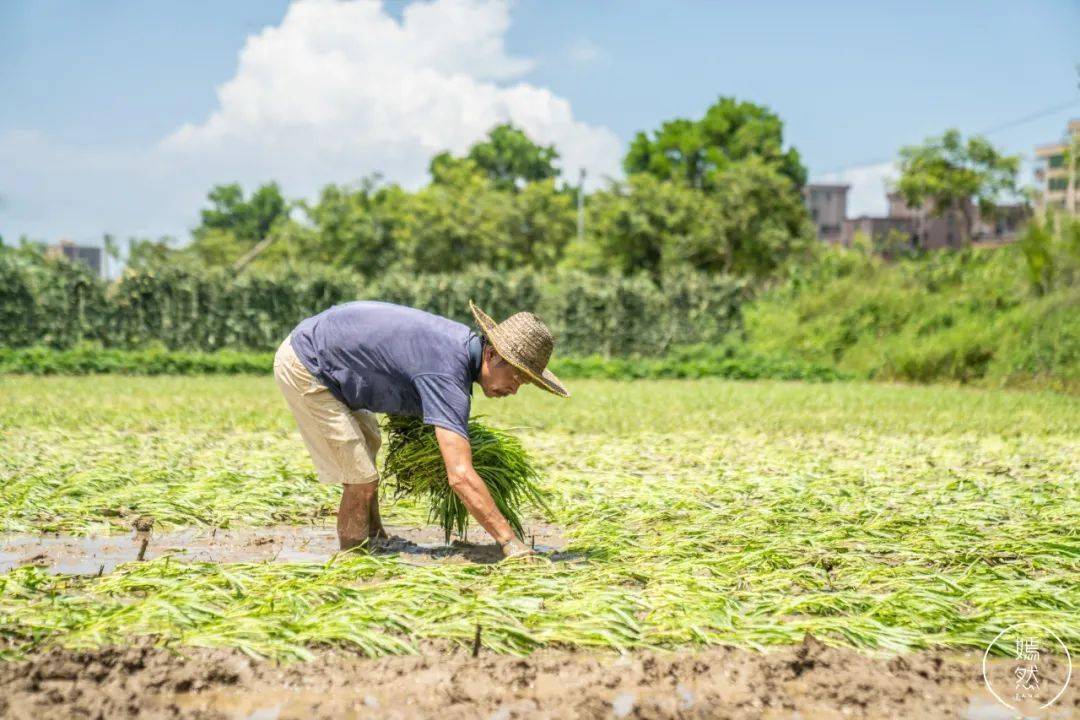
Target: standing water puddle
[94, 555]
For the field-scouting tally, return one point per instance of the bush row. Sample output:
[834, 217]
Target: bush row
[687, 362]
[57, 304]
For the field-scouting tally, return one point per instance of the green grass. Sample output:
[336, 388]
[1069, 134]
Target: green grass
[883, 517]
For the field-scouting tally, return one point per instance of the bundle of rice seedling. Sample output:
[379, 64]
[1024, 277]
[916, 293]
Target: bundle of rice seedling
[414, 467]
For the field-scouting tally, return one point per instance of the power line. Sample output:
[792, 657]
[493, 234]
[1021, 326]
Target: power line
[1033, 116]
[1037, 115]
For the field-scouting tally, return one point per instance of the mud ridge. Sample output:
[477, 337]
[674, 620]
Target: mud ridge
[805, 681]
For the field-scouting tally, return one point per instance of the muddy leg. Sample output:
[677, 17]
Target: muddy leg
[354, 514]
[375, 526]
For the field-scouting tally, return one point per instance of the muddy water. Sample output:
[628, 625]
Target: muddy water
[102, 554]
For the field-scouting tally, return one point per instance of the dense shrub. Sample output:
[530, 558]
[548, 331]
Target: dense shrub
[57, 304]
[959, 316]
[48, 302]
[1009, 315]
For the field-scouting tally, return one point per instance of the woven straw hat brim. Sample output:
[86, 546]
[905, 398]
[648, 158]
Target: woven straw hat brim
[545, 379]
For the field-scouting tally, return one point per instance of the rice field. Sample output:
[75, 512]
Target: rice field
[882, 517]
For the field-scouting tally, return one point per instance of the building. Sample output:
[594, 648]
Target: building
[1004, 225]
[920, 229]
[86, 254]
[1059, 177]
[914, 228]
[827, 205]
[929, 231]
[884, 231]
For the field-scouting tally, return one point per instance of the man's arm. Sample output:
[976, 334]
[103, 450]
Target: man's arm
[470, 488]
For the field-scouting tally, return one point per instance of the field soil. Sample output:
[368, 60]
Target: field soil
[806, 681]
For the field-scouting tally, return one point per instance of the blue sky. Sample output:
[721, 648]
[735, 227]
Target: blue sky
[113, 117]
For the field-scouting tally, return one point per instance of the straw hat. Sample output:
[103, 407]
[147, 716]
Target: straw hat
[524, 341]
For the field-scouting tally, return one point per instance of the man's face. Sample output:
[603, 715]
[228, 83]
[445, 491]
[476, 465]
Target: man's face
[499, 378]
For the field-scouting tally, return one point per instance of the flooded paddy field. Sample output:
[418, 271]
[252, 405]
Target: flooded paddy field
[99, 554]
[714, 549]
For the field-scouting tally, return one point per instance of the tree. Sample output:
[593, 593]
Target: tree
[956, 176]
[508, 157]
[360, 228]
[635, 225]
[751, 223]
[456, 223]
[542, 223]
[459, 221]
[233, 224]
[762, 221]
[147, 254]
[696, 152]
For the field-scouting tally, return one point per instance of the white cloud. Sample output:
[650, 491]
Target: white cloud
[336, 91]
[869, 184]
[584, 51]
[341, 88]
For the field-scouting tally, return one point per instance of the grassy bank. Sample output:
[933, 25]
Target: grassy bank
[968, 317]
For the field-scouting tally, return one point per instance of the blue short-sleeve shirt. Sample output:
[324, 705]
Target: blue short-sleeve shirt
[393, 359]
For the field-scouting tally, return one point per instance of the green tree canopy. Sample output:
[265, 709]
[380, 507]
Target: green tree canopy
[147, 254]
[762, 218]
[499, 206]
[358, 228]
[698, 151]
[748, 225]
[954, 176]
[455, 223]
[508, 157]
[233, 224]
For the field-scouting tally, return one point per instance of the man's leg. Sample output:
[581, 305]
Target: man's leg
[376, 531]
[369, 426]
[355, 513]
[339, 443]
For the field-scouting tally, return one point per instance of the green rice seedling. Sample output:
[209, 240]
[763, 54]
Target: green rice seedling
[887, 518]
[415, 466]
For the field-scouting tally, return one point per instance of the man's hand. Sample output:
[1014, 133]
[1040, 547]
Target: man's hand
[515, 548]
[470, 487]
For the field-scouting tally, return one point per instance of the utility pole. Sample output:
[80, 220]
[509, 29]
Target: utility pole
[1072, 189]
[581, 206]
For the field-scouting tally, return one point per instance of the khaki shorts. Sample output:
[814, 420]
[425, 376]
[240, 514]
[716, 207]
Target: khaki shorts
[342, 442]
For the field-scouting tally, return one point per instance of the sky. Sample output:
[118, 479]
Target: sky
[118, 117]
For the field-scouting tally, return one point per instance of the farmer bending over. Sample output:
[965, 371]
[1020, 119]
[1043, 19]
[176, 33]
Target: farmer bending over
[340, 367]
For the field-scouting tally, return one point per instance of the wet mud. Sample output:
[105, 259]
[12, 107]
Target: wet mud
[806, 681]
[98, 555]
